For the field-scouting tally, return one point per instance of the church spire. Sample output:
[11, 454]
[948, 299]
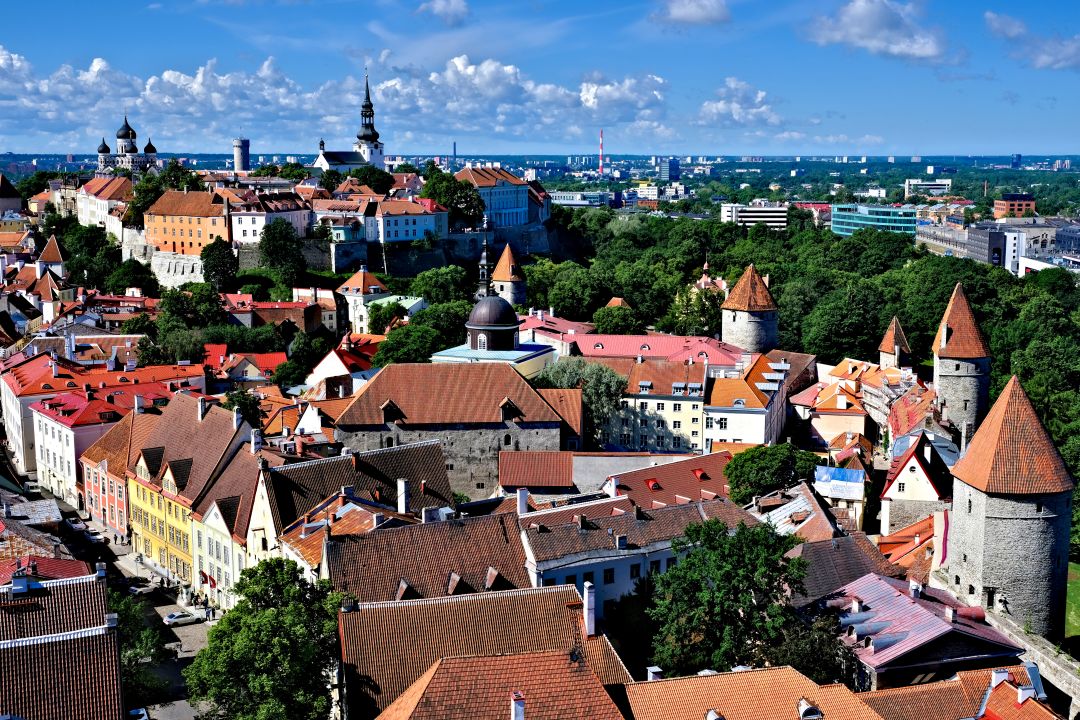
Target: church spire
[483, 286]
[367, 133]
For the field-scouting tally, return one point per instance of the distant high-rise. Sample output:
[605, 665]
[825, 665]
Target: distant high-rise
[241, 153]
[1017, 159]
[669, 169]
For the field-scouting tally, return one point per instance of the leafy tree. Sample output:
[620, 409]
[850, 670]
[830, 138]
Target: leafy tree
[406, 168]
[847, 322]
[141, 324]
[815, 651]
[725, 602]
[378, 180]
[293, 171]
[407, 344]
[198, 307]
[281, 250]
[380, 315]
[441, 285]
[460, 198]
[322, 233]
[307, 350]
[601, 389]
[245, 401]
[447, 319]
[760, 470]
[272, 655]
[132, 274]
[619, 320]
[330, 179]
[141, 648]
[220, 265]
[36, 182]
[629, 627]
[90, 255]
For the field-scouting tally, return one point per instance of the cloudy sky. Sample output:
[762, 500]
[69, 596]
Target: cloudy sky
[543, 76]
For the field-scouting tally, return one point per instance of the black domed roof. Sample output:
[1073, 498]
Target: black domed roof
[368, 133]
[103, 149]
[149, 147]
[492, 311]
[125, 132]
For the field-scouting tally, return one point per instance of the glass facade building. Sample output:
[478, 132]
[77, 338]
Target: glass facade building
[848, 218]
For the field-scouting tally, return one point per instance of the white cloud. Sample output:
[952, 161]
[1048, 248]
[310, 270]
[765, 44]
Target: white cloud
[1004, 25]
[452, 12]
[846, 140]
[791, 136]
[738, 104]
[1041, 53]
[882, 27]
[695, 12]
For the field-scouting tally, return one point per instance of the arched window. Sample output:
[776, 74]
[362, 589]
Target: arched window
[481, 341]
[389, 442]
[507, 439]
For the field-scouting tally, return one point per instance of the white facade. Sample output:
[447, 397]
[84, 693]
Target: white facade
[912, 483]
[57, 453]
[774, 216]
[17, 415]
[506, 204]
[247, 225]
[216, 555]
[92, 210]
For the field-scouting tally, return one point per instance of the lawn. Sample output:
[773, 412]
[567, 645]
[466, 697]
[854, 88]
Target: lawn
[1072, 602]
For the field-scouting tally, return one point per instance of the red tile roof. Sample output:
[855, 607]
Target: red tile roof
[1011, 453]
[360, 283]
[51, 253]
[108, 188]
[904, 546]
[34, 376]
[958, 333]
[488, 177]
[567, 403]
[953, 699]
[188, 204]
[750, 293]
[910, 410]
[683, 481]
[553, 685]
[668, 347]
[536, 469]
[894, 336]
[43, 567]
[507, 269]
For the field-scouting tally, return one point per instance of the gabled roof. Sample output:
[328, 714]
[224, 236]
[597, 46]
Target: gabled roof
[567, 403]
[468, 394]
[488, 176]
[894, 337]
[910, 410]
[507, 269]
[831, 564]
[933, 466]
[373, 636]
[750, 293]
[536, 469]
[7, 189]
[958, 698]
[1011, 452]
[430, 560]
[197, 203]
[958, 333]
[697, 478]
[43, 567]
[553, 685]
[359, 283]
[51, 253]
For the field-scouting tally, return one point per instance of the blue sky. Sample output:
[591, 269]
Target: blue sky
[543, 76]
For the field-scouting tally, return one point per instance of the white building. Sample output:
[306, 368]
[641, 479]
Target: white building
[648, 192]
[97, 198]
[747, 405]
[248, 219]
[774, 215]
[915, 186]
[359, 292]
[505, 195]
[403, 221]
[367, 150]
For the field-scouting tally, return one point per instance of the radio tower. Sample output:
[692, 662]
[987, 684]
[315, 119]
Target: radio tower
[601, 152]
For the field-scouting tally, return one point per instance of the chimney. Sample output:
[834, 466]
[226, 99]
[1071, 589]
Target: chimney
[950, 614]
[522, 501]
[914, 589]
[551, 311]
[916, 539]
[590, 609]
[841, 401]
[653, 673]
[237, 418]
[517, 705]
[256, 441]
[69, 347]
[55, 367]
[713, 715]
[998, 676]
[611, 487]
[1023, 693]
[402, 496]
[856, 605]
[202, 408]
[137, 404]
[926, 451]
[110, 620]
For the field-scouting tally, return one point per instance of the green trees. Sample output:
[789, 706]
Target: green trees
[151, 187]
[441, 285]
[380, 315]
[220, 265]
[378, 180]
[141, 648]
[306, 351]
[330, 179]
[271, 655]
[725, 602]
[601, 390]
[760, 470]
[407, 344]
[619, 320]
[447, 319]
[90, 254]
[245, 401]
[406, 168]
[281, 250]
[460, 198]
[132, 274]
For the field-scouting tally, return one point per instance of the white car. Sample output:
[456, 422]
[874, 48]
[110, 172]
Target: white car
[138, 714]
[181, 617]
[93, 536]
[75, 524]
[141, 589]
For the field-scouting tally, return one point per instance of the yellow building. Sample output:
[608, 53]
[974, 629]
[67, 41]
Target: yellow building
[161, 520]
[663, 407]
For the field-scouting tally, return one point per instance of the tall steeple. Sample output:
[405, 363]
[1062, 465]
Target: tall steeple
[367, 133]
[483, 288]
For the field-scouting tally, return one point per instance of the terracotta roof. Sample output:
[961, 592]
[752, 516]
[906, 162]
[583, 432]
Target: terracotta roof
[536, 469]
[108, 188]
[468, 394]
[359, 283]
[377, 672]
[617, 302]
[34, 376]
[768, 693]
[430, 560]
[830, 398]
[833, 563]
[567, 403]
[663, 375]
[51, 253]
[341, 514]
[958, 333]
[725, 391]
[902, 546]
[187, 204]
[750, 293]
[43, 567]
[488, 177]
[697, 478]
[797, 511]
[507, 269]
[894, 336]
[553, 685]
[1011, 452]
[401, 207]
[667, 347]
[910, 410]
[953, 699]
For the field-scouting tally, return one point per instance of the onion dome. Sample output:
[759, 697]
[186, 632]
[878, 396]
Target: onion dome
[150, 149]
[492, 311]
[125, 132]
[103, 149]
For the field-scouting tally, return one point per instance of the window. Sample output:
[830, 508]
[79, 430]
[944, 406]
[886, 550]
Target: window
[670, 563]
[570, 580]
[635, 571]
[676, 424]
[660, 407]
[588, 577]
[1038, 507]
[722, 423]
[609, 576]
[708, 423]
[969, 505]
[654, 566]
[676, 442]
[900, 487]
[694, 421]
[971, 589]
[507, 439]
[677, 407]
[548, 582]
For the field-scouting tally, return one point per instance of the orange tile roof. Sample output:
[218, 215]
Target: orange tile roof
[121, 444]
[700, 477]
[902, 542]
[750, 294]
[51, 253]
[725, 391]
[567, 403]
[507, 269]
[958, 334]
[488, 177]
[536, 469]
[617, 302]
[35, 376]
[894, 336]
[359, 283]
[748, 695]
[952, 699]
[187, 204]
[1011, 452]
[108, 188]
[553, 685]
[910, 410]
[664, 375]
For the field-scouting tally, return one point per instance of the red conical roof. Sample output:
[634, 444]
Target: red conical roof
[507, 269]
[1011, 453]
[750, 294]
[958, 334]
[51, 253]
[894, 337]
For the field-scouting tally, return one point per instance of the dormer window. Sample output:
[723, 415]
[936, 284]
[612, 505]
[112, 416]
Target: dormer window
[739, 402]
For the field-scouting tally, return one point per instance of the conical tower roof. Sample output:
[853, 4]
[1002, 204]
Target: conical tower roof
[507, 269]
[750, 294]
[51, 252]
[894, 337]
[958, 334]
[1011, 453]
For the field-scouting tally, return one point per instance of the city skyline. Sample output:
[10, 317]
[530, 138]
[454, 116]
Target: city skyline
[853, 77]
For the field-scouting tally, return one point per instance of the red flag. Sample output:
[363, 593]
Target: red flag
[202, 577]
[213, 582]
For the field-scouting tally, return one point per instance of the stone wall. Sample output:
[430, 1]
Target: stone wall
[754, 332]
[472, 451]
[348, 256]
[133, 245]
[173, 269]
[963, 389]
[247, 256]
[902, 513]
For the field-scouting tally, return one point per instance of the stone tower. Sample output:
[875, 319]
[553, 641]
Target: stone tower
[1008, 544]
[894, 350]
[750, 314]
[508, 279]
[961, 368]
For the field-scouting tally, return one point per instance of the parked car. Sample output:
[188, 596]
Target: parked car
[75, 524]
[181, 617]
[138, 714]
[143, 589]
[93, 536]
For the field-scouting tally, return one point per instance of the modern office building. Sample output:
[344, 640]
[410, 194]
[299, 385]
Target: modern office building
[848, 218]
[775, 215]
[1013, 205]
[914, 186]
[669, 169]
